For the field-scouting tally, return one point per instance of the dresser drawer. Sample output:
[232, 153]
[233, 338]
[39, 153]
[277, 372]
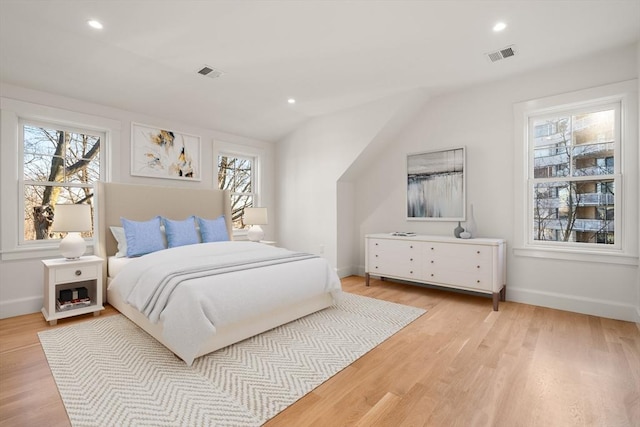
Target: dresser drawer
[76, 273]
[395, 270]
[481, 280]
[470, 265]
[397, 247]
[471, 253]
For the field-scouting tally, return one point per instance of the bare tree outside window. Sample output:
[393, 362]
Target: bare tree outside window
[236, 174]
[59, 166]
[573, 177]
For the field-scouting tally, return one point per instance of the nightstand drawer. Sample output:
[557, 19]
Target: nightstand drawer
[76, 273]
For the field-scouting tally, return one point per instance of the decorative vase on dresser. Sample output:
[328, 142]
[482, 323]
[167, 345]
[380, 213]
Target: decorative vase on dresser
[470, 225]
[458, 230]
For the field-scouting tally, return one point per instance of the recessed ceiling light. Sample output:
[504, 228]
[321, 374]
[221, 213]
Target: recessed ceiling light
[499, 27]
[95, 24]
[291, 101]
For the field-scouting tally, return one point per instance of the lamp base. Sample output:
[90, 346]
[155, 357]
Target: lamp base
[73, 246]
[255, 233]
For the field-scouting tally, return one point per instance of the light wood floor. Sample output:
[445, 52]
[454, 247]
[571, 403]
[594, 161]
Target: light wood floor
[460, 364]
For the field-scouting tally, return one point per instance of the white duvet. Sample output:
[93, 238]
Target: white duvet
[194, 289]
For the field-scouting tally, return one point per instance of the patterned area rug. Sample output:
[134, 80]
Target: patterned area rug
[110, 372]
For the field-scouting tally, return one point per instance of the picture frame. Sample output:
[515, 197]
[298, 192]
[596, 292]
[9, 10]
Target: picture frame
[162, 153]
[436, 185]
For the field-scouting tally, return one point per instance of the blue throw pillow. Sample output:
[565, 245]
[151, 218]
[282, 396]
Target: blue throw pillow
[213, 230]
[143, 237]
[180, 233]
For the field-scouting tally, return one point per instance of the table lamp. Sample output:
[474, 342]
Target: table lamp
[255, 217]
[72, 219]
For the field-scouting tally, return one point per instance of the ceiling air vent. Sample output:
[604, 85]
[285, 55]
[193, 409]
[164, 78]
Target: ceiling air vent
[210, 72]
[503, 53]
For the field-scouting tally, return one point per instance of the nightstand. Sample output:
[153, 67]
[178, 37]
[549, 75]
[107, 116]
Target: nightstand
[72, 277]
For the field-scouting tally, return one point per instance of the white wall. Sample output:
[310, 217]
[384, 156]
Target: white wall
[21, 281]
[312, 159]
[482, 119]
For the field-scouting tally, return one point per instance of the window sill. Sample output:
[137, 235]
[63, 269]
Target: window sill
[578, 255]
[38, 252]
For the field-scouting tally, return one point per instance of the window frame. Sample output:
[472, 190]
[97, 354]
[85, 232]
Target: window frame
[22, 183]
[12, 112]
[625, 249]
[616, 176]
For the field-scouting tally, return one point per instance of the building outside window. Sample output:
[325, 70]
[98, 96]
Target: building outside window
[238, 174]
[574, 175]
[60, 165]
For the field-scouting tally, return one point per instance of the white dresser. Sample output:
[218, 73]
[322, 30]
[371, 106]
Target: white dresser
[477, 265]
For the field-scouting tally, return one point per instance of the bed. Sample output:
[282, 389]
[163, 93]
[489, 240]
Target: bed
[282, 281]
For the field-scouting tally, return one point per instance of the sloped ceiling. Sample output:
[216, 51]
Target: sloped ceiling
[328, 55]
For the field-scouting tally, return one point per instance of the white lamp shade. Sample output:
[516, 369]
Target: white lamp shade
[72, 218]
[255, 216]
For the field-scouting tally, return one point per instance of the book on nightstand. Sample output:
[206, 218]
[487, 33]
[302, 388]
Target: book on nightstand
[76, 303]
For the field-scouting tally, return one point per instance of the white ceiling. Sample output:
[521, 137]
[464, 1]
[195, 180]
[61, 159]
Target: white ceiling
[329, 55]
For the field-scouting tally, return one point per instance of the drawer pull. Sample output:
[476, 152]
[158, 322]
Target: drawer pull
[376, 267]
[410, 259]
[477, 266]
[411, 272]
[431, 248]
[431, 261]
[376, 244]
[431, 274]
[411, 246]
[477, 281]
[478, 252]
[78, 272]
[376, 256]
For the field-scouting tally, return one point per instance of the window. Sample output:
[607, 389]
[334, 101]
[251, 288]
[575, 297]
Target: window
[573, 170]
[585, 207]
[59, 165]
[238, 175]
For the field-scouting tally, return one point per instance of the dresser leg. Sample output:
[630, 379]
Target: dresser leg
[496, 297]
[503, 293]
[366, 279]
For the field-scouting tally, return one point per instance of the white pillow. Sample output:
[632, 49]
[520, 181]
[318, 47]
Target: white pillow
[118, 234]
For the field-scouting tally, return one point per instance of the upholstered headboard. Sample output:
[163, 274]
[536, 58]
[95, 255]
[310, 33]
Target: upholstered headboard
[143, 202]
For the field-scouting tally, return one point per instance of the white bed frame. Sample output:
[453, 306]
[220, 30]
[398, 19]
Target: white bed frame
[140, 203]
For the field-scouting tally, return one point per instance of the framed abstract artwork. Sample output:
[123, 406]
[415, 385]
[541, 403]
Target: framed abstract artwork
[162, 153]
[436, 188]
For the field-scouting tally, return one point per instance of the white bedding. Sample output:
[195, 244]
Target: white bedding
[192, 307]
[116, 264]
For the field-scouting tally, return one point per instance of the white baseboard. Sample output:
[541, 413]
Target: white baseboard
[18, 307]
[346, 271]
[602, 308]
